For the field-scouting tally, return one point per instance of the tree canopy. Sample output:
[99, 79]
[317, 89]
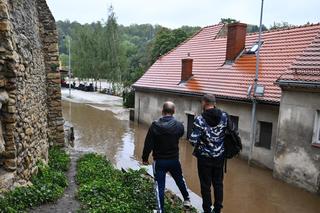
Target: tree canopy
[120, 54]
[250, 27]
[280, 25]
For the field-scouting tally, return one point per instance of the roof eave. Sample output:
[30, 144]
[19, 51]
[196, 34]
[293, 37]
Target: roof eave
[200, 94]
[301, 84]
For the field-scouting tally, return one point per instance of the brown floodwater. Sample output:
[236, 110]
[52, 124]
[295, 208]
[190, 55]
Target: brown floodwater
[247, 189]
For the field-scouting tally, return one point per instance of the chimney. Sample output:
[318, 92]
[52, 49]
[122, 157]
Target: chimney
[236, 40]
[186, 70]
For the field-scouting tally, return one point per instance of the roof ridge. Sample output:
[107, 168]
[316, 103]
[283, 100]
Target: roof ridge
[189, 38]
[212, 25]
[287, 28]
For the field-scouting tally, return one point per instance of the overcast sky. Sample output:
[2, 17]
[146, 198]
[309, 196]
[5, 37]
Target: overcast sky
[175, 13]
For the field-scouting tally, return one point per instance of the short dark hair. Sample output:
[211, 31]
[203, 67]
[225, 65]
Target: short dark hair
[209, 99]
[168, 108]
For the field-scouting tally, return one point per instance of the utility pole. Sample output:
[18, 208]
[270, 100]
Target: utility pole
[254, 101]
[69, 40]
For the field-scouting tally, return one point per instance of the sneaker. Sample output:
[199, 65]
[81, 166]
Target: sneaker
[187, 204]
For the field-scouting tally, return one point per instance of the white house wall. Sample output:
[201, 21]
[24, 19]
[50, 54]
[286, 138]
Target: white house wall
[296, 160]
[148, 108]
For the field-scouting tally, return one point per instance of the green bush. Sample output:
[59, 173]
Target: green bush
[58, 160]
[48, 185]
[102, 188]
[128, 99]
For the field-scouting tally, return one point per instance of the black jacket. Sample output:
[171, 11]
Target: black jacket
[163, 139]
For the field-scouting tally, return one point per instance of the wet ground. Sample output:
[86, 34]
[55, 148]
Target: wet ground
[104, 128]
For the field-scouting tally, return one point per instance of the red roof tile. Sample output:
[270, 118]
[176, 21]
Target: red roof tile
[301, 76]
[306, 68]
[280, 50]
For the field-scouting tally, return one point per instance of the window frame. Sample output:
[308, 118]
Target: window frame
[233, 118]
[316, 130]
[189, 128]
[251, 51]
[258, 135]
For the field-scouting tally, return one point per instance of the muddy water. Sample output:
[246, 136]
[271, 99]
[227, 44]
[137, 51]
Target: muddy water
[247, 189]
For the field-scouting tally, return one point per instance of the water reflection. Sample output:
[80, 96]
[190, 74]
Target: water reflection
[247, 189]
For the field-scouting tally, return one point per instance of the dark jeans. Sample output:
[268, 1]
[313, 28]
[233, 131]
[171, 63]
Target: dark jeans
[174, 167]
[211, 173]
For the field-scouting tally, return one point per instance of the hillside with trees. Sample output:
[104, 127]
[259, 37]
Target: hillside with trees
[117, 53]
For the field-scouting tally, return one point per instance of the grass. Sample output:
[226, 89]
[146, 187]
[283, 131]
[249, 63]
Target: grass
[102, 188]
[47, 186]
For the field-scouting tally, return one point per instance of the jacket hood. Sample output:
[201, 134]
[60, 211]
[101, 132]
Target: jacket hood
[212, 116]
[166, 125]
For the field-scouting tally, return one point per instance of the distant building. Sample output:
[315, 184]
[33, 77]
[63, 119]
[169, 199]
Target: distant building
[221, 60]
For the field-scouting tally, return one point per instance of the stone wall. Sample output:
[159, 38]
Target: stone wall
[49, 37]
[148, 108]
[296, 160]
[31, 115]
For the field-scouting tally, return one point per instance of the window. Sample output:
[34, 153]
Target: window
[316, 132]
[190, 125]
[264, 134]
[235, 121]
[254, 48]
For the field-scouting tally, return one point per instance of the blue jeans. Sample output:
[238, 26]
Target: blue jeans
[174, 168]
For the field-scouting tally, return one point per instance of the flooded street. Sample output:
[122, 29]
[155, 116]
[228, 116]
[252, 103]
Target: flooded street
[104, 128]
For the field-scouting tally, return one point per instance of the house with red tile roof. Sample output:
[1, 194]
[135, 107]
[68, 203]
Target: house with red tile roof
[297, 156]
[221, 60]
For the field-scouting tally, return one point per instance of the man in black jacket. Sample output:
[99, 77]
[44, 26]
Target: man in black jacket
[163, 140]
[208, 139]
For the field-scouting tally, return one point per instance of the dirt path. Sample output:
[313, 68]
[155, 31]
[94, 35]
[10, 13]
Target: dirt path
[67, 203]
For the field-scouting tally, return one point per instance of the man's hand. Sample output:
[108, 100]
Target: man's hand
[146, 163]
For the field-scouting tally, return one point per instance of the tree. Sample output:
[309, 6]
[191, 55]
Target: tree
[190, 30]
[228, 21]
[120, 54]
[84, 55]
[165, 41]
[64, 29]
[64, 59]
[254, 28]
[114, 53]
[280, 25]
[179, 36]
[250, 28]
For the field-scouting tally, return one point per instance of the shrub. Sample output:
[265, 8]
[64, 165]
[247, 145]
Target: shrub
[128, 99]
[102, 188]
[48, 185]
[58, 159]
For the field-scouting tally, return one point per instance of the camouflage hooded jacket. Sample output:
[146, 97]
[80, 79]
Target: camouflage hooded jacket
[208, 133]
